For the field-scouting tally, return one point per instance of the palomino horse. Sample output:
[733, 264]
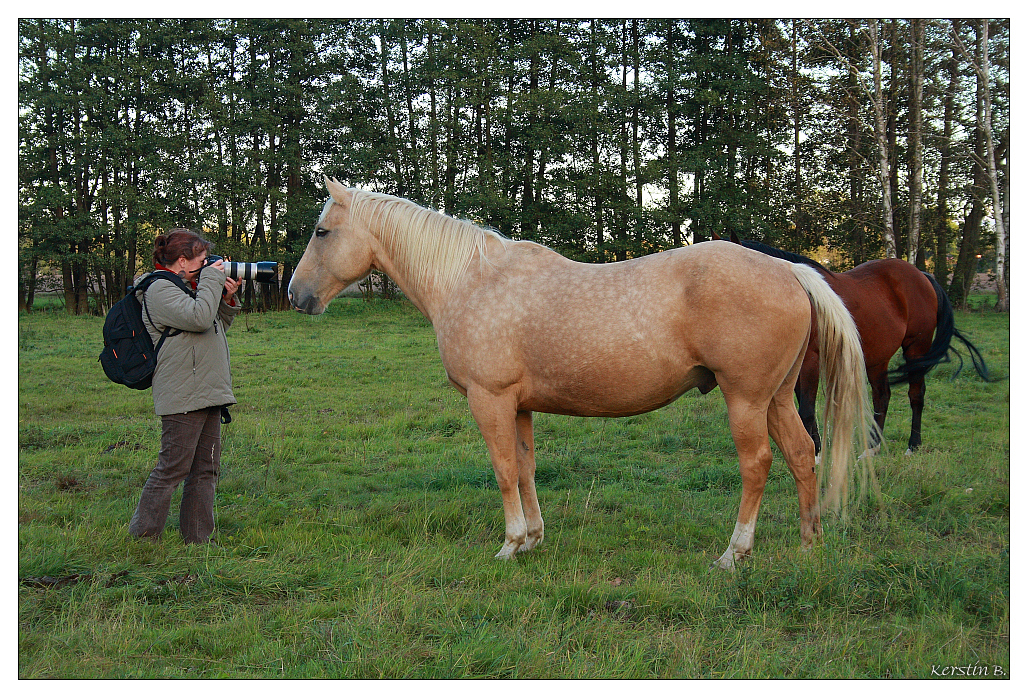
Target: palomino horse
[896, 306]
[522, 329]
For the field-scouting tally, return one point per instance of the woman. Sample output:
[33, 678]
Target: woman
[191, 384]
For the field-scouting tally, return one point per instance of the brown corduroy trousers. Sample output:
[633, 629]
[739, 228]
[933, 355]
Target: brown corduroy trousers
[190, 452]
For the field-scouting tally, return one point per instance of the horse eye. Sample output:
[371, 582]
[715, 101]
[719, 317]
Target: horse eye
[321, 232]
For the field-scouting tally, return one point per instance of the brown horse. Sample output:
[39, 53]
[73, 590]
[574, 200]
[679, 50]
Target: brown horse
[896, 307]
[522, 329]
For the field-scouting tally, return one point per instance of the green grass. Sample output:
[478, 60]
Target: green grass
[358, 516]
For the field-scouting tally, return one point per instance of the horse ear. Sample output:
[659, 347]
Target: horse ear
[714, 235]
[735, 238]
[340, 194]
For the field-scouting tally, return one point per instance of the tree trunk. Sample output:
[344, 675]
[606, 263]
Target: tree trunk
[892, 55]
[81, 268]
[636, 144]
[881, 136]
[731, 201]
[672, 136]
[1002, 302]
[797, 127]
[594, 128]
[528, 215]
[415, 160]
[914, 253]
[621, 234]
[544, 147]
[30, 294]
[942, 231]
[68, 279]
[30, 283]
[858, 216]
[450, 169]
[433, 116]
[392, 139]
[967, 260]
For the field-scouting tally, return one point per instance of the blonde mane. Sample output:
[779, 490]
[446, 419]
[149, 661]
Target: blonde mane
[429, 249]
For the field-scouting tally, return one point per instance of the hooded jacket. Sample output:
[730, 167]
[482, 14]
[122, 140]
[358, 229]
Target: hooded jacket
[193, 370]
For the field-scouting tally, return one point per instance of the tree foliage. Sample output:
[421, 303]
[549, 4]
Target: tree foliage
[604, 139]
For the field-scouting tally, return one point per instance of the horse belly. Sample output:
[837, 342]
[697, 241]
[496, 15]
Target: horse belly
[609, 384]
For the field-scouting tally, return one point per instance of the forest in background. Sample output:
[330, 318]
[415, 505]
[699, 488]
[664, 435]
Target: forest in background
[604, 139]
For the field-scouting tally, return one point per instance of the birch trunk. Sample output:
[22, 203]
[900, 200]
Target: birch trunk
[916, 160]
[1002, 302]
[884, 171]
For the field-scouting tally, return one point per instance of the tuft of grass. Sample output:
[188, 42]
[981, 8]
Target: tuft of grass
[357, 518]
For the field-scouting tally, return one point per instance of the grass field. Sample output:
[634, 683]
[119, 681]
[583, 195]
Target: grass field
[358, 516]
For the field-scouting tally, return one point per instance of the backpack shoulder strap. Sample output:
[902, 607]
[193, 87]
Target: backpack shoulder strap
[144, 284]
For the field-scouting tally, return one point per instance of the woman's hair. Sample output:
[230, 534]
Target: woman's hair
[179, 242]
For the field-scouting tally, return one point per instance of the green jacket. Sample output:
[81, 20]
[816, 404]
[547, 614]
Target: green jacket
[193, 370]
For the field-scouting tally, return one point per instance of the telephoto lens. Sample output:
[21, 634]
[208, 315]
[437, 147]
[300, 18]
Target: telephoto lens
[263, 272]
[252, 271]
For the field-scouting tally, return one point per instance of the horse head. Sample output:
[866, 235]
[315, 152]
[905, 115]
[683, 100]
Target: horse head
[732, 238]
[338, 254]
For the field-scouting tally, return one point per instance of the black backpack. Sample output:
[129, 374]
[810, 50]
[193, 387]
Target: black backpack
[129, 356]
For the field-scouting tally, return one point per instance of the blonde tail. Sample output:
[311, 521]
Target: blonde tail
[847, 404]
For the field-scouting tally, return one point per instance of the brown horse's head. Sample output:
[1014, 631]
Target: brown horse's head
[338, 254]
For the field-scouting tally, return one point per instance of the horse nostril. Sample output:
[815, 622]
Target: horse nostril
[304, 304]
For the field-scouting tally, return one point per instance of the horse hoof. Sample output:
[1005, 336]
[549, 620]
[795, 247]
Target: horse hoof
[726, 562]
[530, 544]
[817, 459]
[909, 452]
[871, 452]
[507, 551]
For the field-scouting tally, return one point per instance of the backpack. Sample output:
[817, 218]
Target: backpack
[129, 356]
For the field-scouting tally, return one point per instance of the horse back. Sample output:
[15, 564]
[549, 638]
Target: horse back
[891, 301]
[625, 337]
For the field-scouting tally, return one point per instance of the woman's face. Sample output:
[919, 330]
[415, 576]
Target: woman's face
[189, 268]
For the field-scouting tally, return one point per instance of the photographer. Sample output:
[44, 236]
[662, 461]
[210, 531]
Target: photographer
[192, 383]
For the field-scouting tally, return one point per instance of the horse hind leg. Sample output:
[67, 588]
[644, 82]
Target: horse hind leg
[787, 430]
[806, 398]
[526, 482]
[749, 431]
[916, 393]
[878, 377]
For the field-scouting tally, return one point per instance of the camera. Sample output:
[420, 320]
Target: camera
[247, 271]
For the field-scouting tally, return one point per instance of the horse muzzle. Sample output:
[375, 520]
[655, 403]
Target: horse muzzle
[306, 302]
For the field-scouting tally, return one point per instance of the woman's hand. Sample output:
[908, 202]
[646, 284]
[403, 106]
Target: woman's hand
[231, 286]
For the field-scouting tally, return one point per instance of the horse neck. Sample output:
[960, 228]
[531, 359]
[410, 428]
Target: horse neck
[424, 252]
[425, 296]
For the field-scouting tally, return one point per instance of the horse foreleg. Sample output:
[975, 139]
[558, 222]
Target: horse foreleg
[749, 431]
[526, 481]
[496, 420]
[787, 430]
[916, 395]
